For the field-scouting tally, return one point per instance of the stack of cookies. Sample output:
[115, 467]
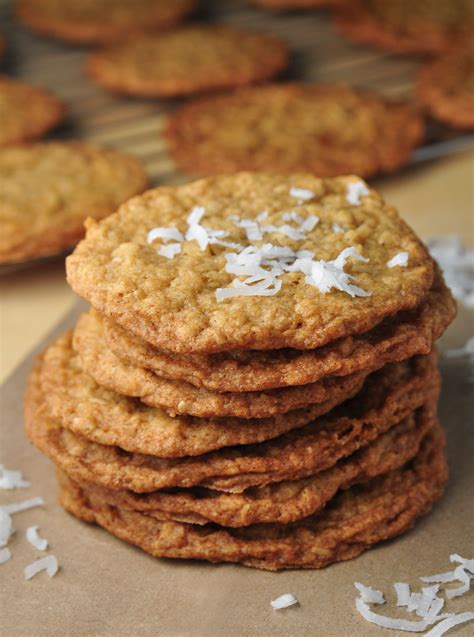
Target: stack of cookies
[256, 380]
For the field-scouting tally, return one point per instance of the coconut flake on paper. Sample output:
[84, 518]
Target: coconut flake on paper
[284, 601]
[426, 604]
[12, 479]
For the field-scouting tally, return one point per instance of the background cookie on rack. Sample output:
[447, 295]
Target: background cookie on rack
[26, 112]
[47, 190]
[189, 60]
[91, 21]
[288, 128]
[445, 86]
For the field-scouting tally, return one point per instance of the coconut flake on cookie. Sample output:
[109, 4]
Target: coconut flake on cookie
[356, 190]
[400, 259]
[303, 194]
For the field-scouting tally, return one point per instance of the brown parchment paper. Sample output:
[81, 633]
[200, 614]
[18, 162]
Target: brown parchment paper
[106, 587]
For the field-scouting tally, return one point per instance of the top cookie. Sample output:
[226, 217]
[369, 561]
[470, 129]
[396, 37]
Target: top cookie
[288, 128]
[251, 261]
[47, 191]
[189, 60]
[100, 20]
[404, 26]
[26, 112]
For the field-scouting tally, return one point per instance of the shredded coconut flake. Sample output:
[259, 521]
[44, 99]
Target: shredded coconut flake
[337, 228]
[400, 259]
[283, 601]
[48, 564]
[457, 263]
[426, 604]
[309, 223]
[5, 555]
[6, 527]
[369, 594]
[167, 234]
[170, 251]
[392, 622]
[35, 540]
[24, 505]
[301, 193]
[457, 559]
[356, 190]
[285, 230]
[10, 479]
[449, 622]
[463, 576]
[403, 593]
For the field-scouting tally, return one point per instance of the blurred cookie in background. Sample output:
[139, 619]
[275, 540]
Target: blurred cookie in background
[404, 26]
[47, 190]
[188, 60]
[294, 4]
[446, 87]
[26, 112]
[89, 21]
[285, 128]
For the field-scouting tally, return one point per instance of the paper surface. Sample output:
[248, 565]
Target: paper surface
[106, 587]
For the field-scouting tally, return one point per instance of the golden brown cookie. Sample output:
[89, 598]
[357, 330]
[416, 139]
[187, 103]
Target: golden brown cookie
[446, 87]
[89, 21]
[47, 190]
[174, 302]
[178, 397]
[190, 60]
[404, 26]
[388, 397]
[288, 128]
[395, 338]
[294, 4]
[26, 112]
[108, 418]
[351, 523]
[280, 502]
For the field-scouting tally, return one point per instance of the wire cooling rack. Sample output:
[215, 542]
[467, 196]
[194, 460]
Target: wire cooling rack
[319, 54]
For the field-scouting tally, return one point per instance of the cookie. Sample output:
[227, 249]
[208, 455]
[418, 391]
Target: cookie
[178, 397]
[395, 338]
[280, 502]
[351, 523]
[47, 190]
[108, 418]
[387, 398]
[403, 26]
[191, 60]
[294, 4]
[445, 87]
[90, 21]
[194, 303]
[26, 112]
[289, 128]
